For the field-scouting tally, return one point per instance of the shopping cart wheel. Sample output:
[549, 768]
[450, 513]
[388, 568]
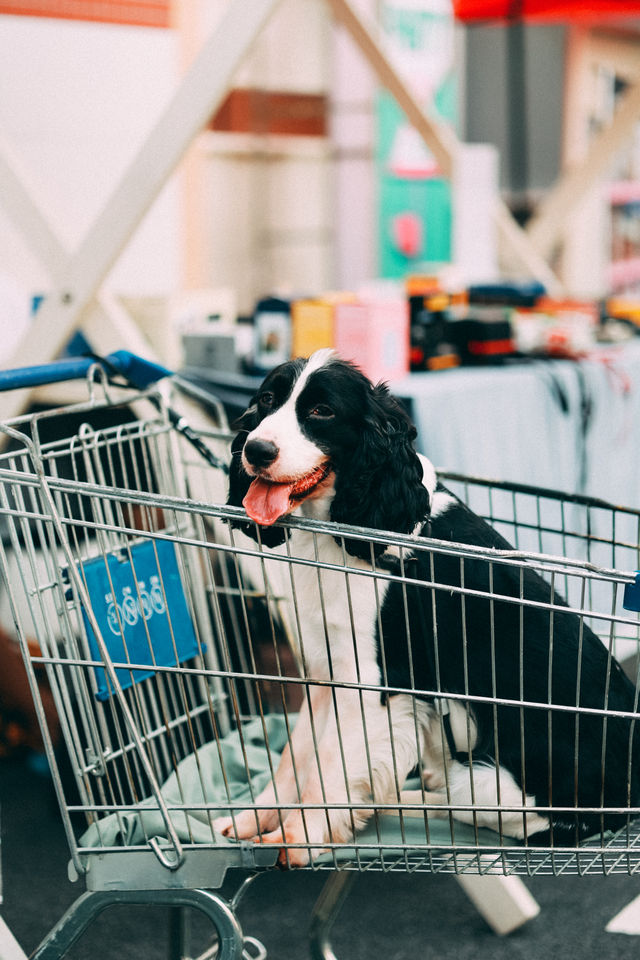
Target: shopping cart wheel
[253, 949]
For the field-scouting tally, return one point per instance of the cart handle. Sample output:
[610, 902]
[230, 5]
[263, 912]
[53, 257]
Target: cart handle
[138, 371]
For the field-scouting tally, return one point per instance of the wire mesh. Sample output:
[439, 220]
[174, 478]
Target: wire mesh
[182, 657]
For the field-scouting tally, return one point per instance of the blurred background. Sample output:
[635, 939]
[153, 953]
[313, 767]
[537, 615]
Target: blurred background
[446, 191]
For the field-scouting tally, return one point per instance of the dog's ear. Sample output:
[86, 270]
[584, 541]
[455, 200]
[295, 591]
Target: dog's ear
[239, 483]
[248, 420]
[380, 486]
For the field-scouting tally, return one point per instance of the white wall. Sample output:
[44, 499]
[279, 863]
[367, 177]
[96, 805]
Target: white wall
[289, 213]
[353, 131]
[262, 217]
[77, 101]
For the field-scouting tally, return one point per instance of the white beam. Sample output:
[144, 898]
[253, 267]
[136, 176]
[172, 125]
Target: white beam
[438, 136]
[108, 325]
[441, 140]
[197, 97]
[199, 93]
[546, 228]
[26, 217]
[627, 920]
[504, 902]
[10, 949]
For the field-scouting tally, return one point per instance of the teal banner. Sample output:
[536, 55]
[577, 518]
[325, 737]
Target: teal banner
[414, 197]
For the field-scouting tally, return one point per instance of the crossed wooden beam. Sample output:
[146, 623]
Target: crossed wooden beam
[76, 277]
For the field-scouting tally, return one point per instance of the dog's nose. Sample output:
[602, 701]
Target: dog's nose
[260, 453]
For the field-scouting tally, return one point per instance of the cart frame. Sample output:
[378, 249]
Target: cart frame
[104, 492]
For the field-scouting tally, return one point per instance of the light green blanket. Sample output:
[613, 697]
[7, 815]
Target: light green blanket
[202, 779]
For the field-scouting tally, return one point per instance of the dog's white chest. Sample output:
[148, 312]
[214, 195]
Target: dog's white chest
[338, 611]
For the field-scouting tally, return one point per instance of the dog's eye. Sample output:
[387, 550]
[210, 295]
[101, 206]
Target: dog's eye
[266, 399]
[321, 411]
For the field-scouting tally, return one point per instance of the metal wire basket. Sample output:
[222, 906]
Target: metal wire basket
[174, 649]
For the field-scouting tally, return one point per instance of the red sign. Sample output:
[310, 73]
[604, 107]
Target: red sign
[545, 10]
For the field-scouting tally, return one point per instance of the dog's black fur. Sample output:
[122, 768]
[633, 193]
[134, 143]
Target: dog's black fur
[530, 648]
[369, 443]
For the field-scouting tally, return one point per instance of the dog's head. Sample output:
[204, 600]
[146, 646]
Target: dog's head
[320, 436]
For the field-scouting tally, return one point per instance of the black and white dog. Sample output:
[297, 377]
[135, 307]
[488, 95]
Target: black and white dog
[321, 441]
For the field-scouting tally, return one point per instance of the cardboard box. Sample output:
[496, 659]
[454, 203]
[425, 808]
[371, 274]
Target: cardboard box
[312, 326]
[374, 334]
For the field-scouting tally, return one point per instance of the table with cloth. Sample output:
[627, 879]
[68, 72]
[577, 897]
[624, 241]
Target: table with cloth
[563, 424]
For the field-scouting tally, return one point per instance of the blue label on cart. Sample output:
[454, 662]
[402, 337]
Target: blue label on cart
[631, 599]
[137, 597]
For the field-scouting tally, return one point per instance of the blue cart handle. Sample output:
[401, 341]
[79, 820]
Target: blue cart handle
[139, 372]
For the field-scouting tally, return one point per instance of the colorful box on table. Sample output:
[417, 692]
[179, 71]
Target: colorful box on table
[623, 308]
[313, 322]
[567, 327]
[506, 294]
[374, 334]
[311, 326]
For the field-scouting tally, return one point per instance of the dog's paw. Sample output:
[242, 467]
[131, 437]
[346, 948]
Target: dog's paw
[274, 836]
[244, 826]
[295, 843]
[291, 857]
[288, 856]
[248, 825]
[224, 825]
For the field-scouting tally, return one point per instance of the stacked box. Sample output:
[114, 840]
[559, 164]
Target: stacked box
[374, 333]
[312, 326]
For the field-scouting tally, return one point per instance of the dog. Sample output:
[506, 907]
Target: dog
[319, 440]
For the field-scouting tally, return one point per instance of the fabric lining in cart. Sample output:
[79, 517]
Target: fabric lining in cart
[176, 649]
[200, 780]
[217, 774]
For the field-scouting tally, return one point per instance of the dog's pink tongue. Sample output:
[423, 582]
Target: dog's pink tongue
[266, 502]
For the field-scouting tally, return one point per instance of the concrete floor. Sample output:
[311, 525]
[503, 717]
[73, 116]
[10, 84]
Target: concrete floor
[394, 916]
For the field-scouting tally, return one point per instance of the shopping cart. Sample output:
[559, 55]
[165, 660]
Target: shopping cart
[170, 642]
